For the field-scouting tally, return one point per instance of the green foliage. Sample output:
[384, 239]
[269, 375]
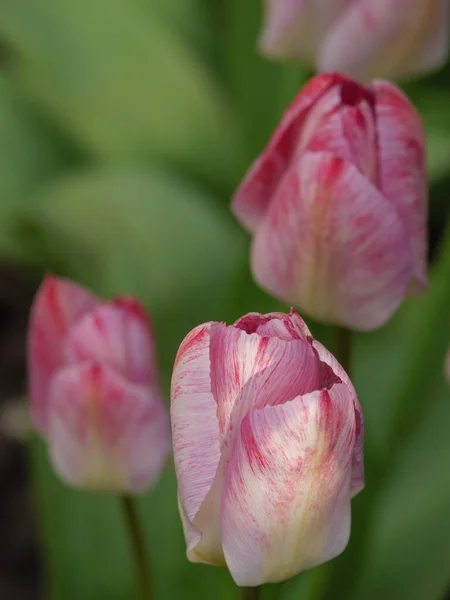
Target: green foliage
[124, 128]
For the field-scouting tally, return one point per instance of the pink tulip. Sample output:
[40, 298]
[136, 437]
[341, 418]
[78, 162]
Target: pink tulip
[94, 388]
[337, 203]
[267, 435]
[363, 38]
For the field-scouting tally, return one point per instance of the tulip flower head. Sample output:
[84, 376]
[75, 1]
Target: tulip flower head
[362, 38]
[94, 388]
[267, 435]
[337, 203]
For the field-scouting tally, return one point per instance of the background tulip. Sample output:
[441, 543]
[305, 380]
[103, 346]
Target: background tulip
[363, 38]
[94, 388]
[337, 203]
[267, 434]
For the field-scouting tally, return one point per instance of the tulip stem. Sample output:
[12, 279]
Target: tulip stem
[250, 593]
[342, 347]
[140, 557]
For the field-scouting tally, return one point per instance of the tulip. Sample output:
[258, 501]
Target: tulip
[94, 389]
[362, 38]
[337, 201]
[267, 435]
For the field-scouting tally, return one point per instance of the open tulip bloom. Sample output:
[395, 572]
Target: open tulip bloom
[94, 388]
[337, 203]
[267, 435]
[363, 38]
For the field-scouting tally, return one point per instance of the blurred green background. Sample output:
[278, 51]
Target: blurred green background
[124, 128]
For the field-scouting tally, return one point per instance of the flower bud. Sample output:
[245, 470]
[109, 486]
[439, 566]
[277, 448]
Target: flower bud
[94, 391]
[362, 38]
[267, 435]
[337, 203]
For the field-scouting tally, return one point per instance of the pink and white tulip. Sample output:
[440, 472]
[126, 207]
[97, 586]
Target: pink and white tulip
[362, 38]
[94, 391]
[267, 435]
[337, 203]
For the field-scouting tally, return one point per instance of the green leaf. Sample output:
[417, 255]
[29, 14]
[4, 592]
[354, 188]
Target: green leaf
[26, 159]
[122, 82]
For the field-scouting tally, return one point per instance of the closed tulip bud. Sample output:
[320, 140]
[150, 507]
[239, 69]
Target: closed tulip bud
[94, 392]
[337, 203]
[362, 38]
[267, 435]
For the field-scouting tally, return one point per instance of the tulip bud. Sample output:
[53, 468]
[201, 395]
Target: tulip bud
[362, 38]
[94, 388]
[267, 435]
[337, 203]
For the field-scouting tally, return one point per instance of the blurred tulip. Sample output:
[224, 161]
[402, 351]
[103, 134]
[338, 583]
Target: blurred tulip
[447, 366]
[267, 435]
[363, 38]
[337, 203]
[94, 388]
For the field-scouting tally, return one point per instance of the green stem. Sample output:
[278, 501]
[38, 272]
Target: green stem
[138, 549]
[250, 593]
[342, 347]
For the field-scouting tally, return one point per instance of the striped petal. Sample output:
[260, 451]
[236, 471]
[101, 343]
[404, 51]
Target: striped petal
[249, 371]
[327, 243]
[252, 198]
[394, 39]
[280, 325]
[195, 432]
[357, 480]
[286, 504]
[58, 304]
[402, 168]
[118, 334]
[105, 433]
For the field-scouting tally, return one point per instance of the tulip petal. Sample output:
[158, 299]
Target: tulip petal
[252, 198]
[105, 433]
[394, 39]
[280, 325]
[295, 28]
[195, 430]
[342, 122]
[327, 242]
[250, 371]
[115, 333]
[402, 168]
[286, 504]
[357, 481]
[58, 304]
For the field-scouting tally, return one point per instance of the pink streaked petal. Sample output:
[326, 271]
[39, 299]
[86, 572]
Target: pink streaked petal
[357, 482]
[105, 433]
[57, 305]
[295, 28]
[327, 242]
[402, 168]
[249, 371]
[281, 325]
[342, 122]
[252, 198]
[286, 504]
[118, 334]
[394, 39]
[195, 427]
